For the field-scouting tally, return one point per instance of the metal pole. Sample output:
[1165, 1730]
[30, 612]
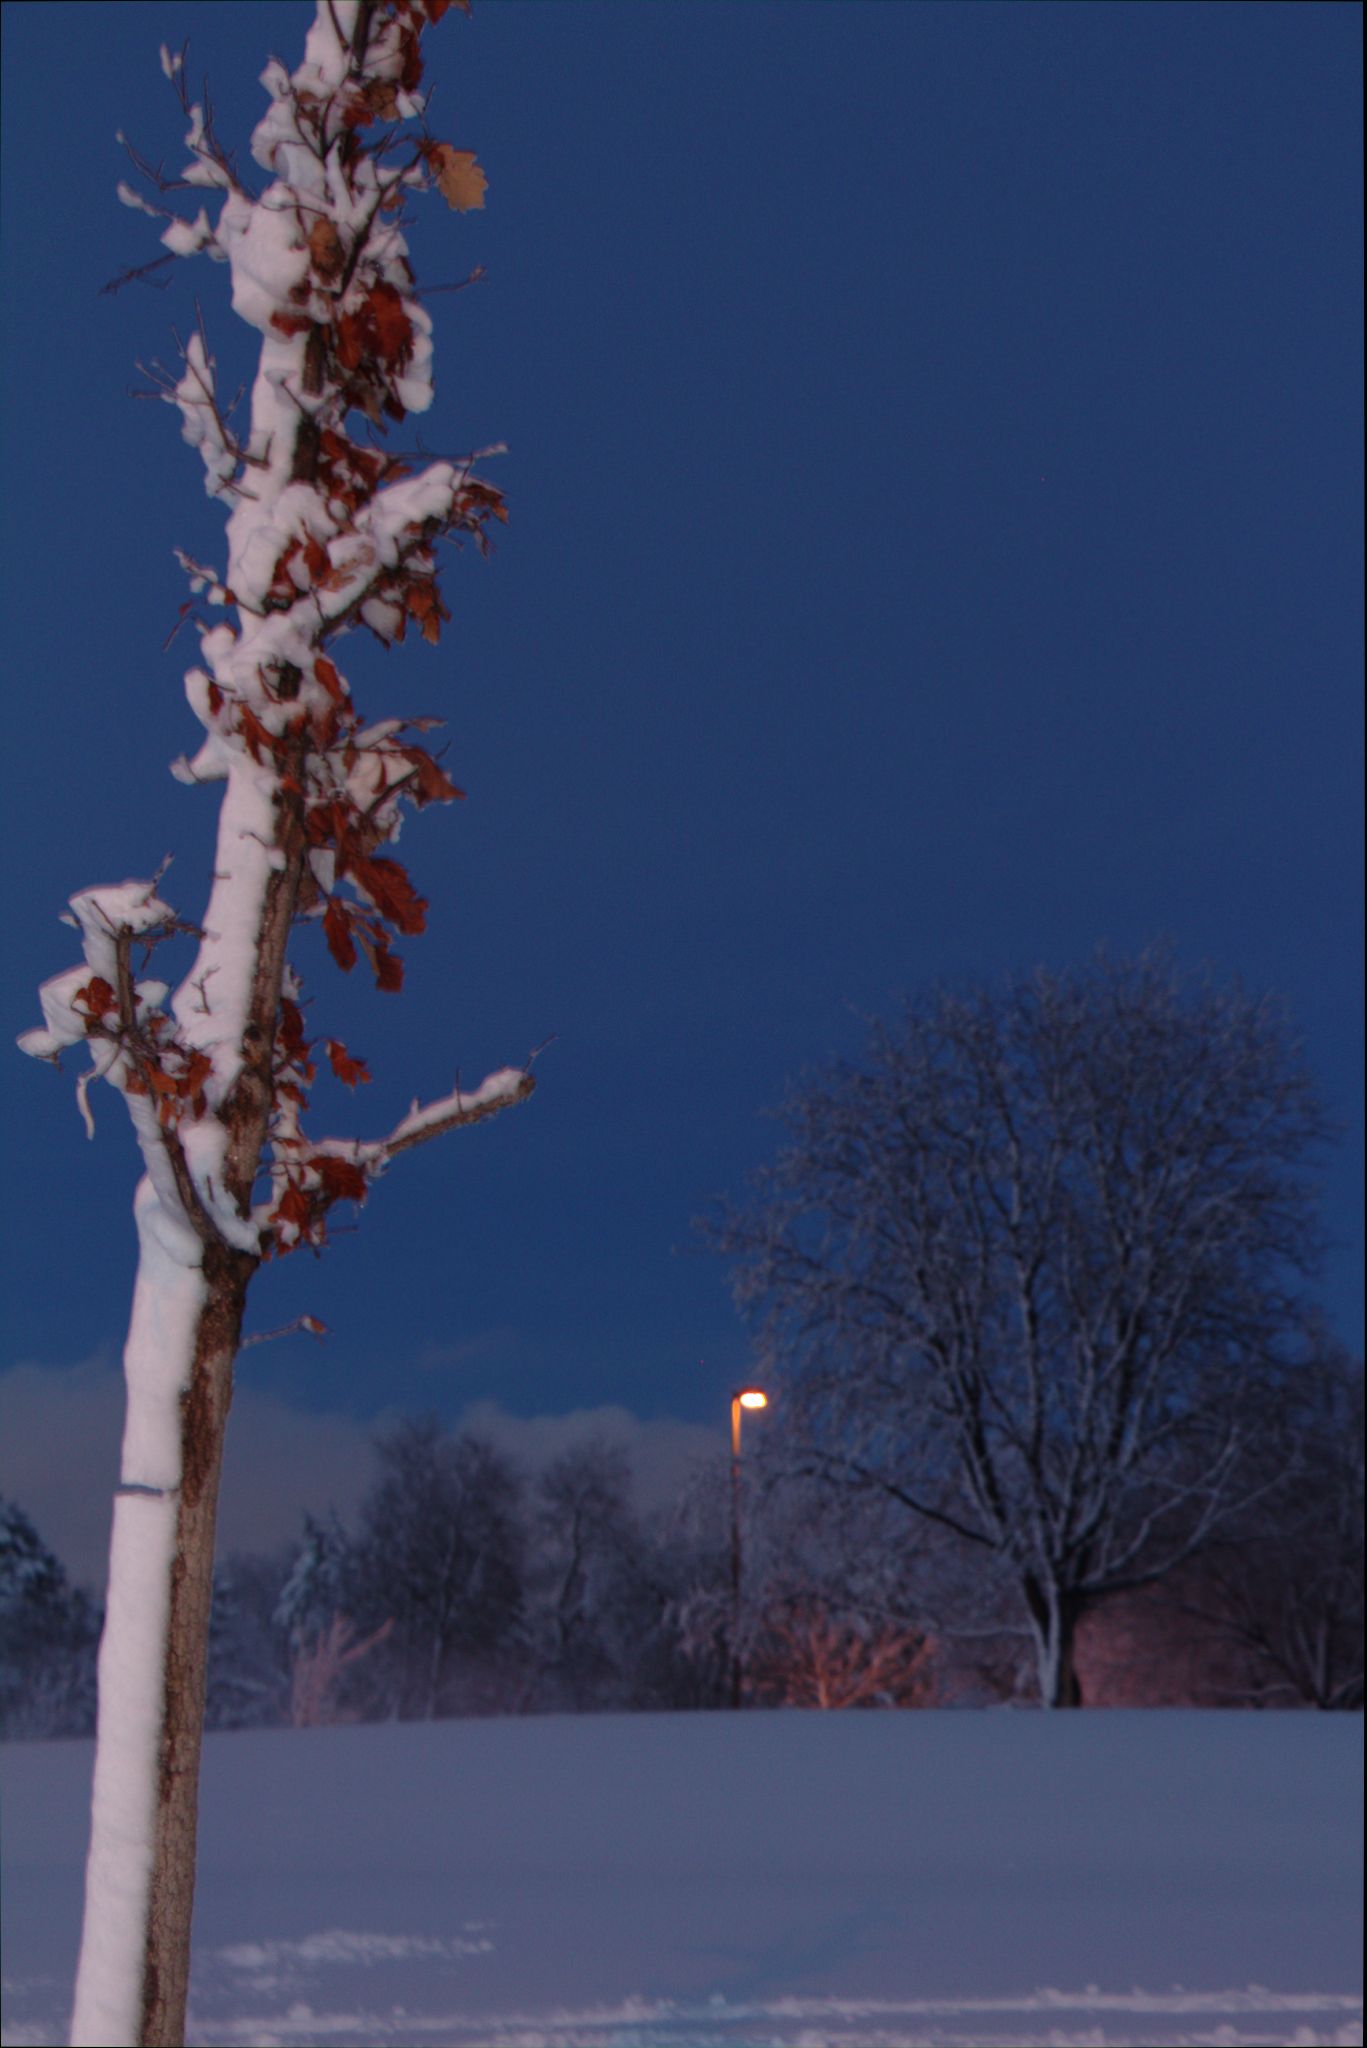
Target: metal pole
[735, 1552]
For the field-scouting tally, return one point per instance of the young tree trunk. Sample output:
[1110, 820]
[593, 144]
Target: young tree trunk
[140, 1873]
[204, 1419]
[326, 535]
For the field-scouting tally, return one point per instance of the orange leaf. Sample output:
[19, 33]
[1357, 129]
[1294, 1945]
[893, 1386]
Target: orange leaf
[460, 180]
[328, 677]
[290, 324]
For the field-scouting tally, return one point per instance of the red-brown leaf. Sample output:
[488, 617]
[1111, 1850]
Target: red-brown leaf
[343, 1180]
[329, 678]
[293, 1207]
[351, 341]
[393, 328]
[259, 741]
[389, 889]
[344, 1066]
[431, 784]
[290, 1030]
[95, 998]
[337, 932]
[388, 971]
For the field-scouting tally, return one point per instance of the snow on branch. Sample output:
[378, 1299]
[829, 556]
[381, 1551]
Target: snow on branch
[327, 532]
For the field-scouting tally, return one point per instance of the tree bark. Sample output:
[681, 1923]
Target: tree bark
[204, 1417]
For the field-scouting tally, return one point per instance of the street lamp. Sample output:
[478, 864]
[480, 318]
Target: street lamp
[744, 1397]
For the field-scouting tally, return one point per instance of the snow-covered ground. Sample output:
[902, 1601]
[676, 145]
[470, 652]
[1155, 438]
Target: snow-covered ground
[823, 1879]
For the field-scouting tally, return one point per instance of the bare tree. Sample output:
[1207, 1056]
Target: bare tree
[326, 533]
[809, 1656]
[440, 1551]
[584, 1579]
[48, 1632]
[248, 1680]
[1284, 1586]
[320, 1668]
[1023, 1269]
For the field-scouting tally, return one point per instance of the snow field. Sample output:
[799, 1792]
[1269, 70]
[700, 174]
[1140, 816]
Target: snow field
[830, 1880]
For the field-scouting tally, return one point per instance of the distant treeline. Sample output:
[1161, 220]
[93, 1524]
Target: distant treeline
[464, 1586]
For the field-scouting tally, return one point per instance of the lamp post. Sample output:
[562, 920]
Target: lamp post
[744, 1397]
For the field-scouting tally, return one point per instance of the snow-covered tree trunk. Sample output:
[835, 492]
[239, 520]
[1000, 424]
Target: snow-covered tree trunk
[326, 533]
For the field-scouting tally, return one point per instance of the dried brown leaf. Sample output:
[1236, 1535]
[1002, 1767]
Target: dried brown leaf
[461, 181]
[325, 248]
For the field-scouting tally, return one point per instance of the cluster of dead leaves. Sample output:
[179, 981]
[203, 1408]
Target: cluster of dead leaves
[378, 329]
[160, 1066]
[312, 1181]
[309, 1192]
[363, 351]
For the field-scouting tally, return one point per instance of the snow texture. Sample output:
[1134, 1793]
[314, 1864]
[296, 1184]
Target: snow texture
[167, 1298]
[835, 1880]
[123, 1805]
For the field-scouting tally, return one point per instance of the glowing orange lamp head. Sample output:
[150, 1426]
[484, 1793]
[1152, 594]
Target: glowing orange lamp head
[744, 1397]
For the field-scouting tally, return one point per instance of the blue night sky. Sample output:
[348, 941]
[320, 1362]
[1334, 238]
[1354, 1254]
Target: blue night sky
[936, 536]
